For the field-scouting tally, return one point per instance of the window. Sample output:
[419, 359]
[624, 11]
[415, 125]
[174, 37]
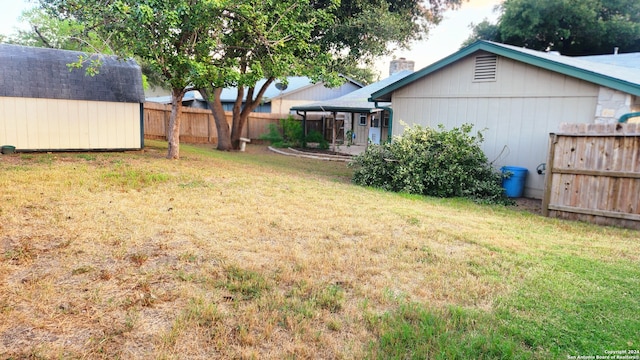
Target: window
[485, 68]
[375, 122]
[363, 120]
[385, 119]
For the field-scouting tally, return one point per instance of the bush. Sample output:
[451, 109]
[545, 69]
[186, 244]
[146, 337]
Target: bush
[289, 133]
[315, 136]
[432, 162]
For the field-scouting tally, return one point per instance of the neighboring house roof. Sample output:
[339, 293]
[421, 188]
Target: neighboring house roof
[192, 95]
[631, 60]
[622, 78]
[356, 101]
[294, 84]
[32, 72]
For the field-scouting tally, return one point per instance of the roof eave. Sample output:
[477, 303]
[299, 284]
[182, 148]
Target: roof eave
[384, 94]
[334, 109]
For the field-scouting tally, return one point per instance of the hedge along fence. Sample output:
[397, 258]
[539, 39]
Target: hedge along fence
[593, 174]
[198, 125]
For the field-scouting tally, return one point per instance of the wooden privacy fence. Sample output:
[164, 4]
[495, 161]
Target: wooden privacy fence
[198, 126]
[593, 174]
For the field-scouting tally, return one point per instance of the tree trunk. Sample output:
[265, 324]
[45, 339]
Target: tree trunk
[222, 126]
[173, 135]
[239, 120]
[237, 112]
[241, 113]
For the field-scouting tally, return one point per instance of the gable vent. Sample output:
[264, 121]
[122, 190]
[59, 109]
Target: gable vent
[485, 68]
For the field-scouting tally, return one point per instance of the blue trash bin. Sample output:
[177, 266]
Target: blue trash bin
[514, 184]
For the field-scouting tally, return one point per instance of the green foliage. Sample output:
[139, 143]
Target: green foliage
[572, 27]
[215, 44]
[288, 133]
[315, 136]
[45, 30]
[425, 161]
[482, 31]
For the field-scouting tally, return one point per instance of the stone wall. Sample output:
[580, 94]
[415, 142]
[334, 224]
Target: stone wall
[612, 104]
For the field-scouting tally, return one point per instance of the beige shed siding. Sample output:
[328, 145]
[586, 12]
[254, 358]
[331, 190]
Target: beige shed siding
[51, 124]
[518, 110]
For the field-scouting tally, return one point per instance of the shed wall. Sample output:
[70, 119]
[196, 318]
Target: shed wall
[518, 110]
[56, 124]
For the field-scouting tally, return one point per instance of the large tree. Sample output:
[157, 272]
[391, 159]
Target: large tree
[48, 31]
[212, 44]
[263, 39]
[572, 27]
[319, 39]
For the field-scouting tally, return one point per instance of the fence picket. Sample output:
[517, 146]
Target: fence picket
[594, 174]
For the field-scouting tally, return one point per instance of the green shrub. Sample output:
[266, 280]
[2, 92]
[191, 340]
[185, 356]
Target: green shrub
[289, 133]
[432, 162]
[314, 136]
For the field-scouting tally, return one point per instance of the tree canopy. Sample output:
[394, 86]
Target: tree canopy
[212, 44]
[572, 27]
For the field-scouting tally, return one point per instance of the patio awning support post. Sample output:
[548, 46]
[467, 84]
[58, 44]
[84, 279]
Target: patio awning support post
[304, 127]
[333, 134]
[390, 110]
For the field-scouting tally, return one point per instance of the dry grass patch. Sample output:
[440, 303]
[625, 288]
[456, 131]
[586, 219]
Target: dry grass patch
[229, 255]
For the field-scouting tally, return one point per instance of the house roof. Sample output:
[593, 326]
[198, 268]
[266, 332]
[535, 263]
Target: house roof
[355, 101]
[43, 73]
[631, 60]
[294, 84]
[609, 74]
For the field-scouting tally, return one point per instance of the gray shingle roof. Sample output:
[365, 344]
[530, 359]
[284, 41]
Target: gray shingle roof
[355, 101]
[43, 73]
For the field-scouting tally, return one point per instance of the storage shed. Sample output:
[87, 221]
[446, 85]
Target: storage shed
[47, 106]
[518, 96]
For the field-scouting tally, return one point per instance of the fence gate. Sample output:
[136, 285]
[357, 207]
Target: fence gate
[593, 174]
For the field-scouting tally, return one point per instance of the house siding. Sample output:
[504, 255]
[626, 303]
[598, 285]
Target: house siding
[317, 92]
[518, 110]
[58, 124]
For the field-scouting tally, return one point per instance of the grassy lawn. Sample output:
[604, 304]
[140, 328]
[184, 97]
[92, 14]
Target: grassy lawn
[260, 256]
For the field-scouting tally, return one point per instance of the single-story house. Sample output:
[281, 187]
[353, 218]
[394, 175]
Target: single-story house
[517, 97]
[46, 106]
[352, 113]
[278, 98]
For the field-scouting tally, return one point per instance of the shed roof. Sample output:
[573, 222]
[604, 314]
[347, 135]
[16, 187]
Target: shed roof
[32, 72]
[612, 75]
[355, 101]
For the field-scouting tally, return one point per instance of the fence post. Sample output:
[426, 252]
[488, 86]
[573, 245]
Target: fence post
[548, 181]
[166, 112]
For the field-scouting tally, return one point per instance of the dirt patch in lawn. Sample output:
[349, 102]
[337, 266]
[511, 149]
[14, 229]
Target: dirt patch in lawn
[530, 205]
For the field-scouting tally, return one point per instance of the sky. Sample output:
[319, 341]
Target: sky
[443, 40]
